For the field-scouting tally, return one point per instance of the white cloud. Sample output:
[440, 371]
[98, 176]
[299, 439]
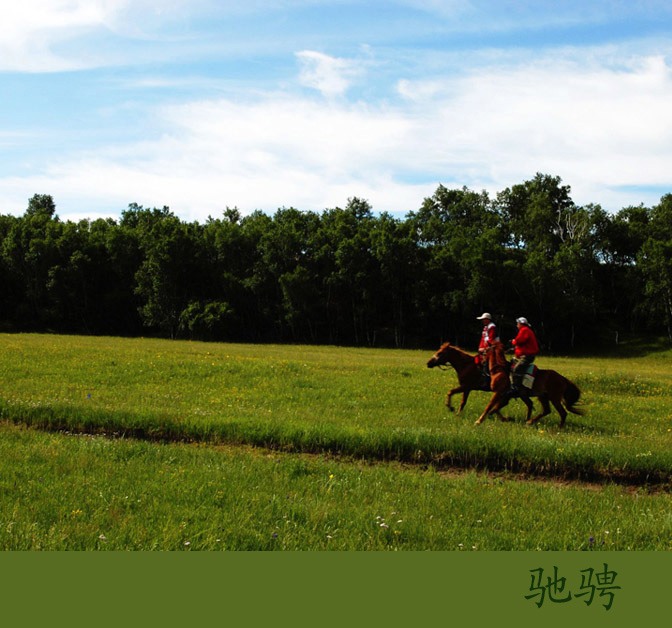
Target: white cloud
[277, 151]
[329, 75]
[51, 35]
[66, 35]
[29, 30]
[586, 124]
[597, 127]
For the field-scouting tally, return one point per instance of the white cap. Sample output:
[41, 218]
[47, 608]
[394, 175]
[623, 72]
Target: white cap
[485, 315]
[522, 320]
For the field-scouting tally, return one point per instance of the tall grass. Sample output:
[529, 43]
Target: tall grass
[373, 404]
[61, 492]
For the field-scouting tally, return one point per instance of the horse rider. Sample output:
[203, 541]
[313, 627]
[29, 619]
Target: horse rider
[526, 349]
[488, 336]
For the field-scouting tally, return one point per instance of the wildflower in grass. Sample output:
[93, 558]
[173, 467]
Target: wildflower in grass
[384, 525]
[274, 535]
[102, 537]
[187, 543]
[77, 512]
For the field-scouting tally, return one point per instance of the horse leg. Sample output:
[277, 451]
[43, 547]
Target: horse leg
[497, 410]
[543, 399]
[489, 407]
[465, 396]
[561, 411]
[525, 398]
[451, 393]
[505, 419]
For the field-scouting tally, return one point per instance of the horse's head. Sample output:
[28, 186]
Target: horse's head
[441, 357]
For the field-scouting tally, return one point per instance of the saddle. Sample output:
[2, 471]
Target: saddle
[529, 375]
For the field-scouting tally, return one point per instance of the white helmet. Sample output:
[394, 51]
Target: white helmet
[522, 320]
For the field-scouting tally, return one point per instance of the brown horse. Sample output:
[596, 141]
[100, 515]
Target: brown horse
[499, 380]
[469, 374]
[548, 386]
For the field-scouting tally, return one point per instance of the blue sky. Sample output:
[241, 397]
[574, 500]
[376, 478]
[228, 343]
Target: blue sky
[200, 104]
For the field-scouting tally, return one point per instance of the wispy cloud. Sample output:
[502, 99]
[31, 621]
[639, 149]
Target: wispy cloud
[489, 130]
[66, 35]
[386, 123]
[598, 127]
[330, 75]
[30, 29]
[514, 15]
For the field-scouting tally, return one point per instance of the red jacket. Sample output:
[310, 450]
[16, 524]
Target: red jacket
[488, 336]
[525, 342]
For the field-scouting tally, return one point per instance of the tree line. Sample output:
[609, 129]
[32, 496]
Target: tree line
[581, 275]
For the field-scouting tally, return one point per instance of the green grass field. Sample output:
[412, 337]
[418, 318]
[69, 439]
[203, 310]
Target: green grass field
[186, 445]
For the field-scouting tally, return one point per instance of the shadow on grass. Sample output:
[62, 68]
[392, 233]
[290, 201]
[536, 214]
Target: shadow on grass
[573, 425]
[469, 450]
[628, 347]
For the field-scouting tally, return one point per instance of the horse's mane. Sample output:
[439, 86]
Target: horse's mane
[498, 353]
[447, 345]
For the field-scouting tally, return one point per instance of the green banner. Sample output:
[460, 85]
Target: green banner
[360, 588]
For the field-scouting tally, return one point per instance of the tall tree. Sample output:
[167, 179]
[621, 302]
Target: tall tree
[655, 259]
[460, 233]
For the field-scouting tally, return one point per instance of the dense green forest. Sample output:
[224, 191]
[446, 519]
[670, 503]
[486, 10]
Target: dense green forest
[581, 275]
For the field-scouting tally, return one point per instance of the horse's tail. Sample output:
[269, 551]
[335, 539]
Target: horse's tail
[571, 397]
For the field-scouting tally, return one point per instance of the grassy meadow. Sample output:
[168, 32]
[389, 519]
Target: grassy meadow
[112, 443]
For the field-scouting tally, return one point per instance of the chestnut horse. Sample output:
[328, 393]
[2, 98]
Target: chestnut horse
[469, 376]
[548, 386]
[499, 381]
